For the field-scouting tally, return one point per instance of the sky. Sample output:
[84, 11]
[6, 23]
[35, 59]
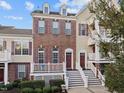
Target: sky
[18, 12]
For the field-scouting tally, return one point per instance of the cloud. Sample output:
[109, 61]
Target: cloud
[29, 6]
[14, 17]
[73, 5]
[5, 5]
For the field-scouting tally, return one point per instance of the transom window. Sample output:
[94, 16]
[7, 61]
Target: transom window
[21, 71]
[41, 28]
[55, 55]
[41, 55]
[68, 28]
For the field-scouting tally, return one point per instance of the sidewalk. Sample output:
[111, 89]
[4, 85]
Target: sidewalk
[93, 89]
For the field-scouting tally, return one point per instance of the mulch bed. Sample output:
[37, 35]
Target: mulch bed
[11, 91]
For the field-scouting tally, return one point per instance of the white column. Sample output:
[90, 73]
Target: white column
[5, 73]
[97, 53]
[32, 67]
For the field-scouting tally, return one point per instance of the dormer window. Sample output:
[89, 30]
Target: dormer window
[46, 8]
[63, 10]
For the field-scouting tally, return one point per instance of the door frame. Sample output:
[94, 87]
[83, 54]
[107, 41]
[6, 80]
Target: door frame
[3, 72]
[69, 50]
[83, 51]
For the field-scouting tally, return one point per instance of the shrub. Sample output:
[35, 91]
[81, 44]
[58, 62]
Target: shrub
[47, 89]
[32, 84]
[54, 89]
[9, 86]
[38, 90]
[2, 87]
[27, 90]
[56, 82]
[16, 83]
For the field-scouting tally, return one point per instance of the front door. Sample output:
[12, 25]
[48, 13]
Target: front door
[1, 75]
[82, 60]
[68, 60]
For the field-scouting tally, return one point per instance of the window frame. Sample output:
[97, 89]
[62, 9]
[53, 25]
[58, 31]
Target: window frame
[53, 56]
[41, 25]
[43, 58]
[68, 28]
[23, 70]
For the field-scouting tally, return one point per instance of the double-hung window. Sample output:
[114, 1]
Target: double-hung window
[17, 47]
[55, 29]
[41, 55]
[25, 48]
[68, 28]
[21, 71]
[83, 29]
[55, 55]
[41, 28]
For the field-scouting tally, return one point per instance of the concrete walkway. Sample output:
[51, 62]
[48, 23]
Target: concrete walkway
[93, 89]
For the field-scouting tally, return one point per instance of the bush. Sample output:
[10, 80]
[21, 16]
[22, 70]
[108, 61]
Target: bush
[9, 86]
[27, 90]
[33, 84]
[38, 90]
[2, 87]
[56, 82]
[47, 89]
[16, 83]
[55, 89]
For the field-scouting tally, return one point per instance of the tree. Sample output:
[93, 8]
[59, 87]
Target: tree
[111, 17]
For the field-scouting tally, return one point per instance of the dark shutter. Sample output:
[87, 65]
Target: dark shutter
[30, 48]
[79, 29]
[12, 48]
[87, 29]
[16, 71]
[4, 44]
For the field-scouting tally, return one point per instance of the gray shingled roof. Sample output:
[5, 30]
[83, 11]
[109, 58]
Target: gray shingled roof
[12, 30]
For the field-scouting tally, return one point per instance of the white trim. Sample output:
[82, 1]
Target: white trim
[69, 50]
[16, 37]
[83, 51]
[55, 17]
[45, 74]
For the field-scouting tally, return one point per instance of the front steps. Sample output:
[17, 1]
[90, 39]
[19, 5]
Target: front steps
[92, 80]
[75, 79]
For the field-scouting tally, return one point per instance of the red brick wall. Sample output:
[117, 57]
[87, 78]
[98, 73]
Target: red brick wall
[13, 70]
[48, 40]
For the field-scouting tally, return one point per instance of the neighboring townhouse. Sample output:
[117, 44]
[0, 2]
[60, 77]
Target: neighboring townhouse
[15, 53]
[54, 37]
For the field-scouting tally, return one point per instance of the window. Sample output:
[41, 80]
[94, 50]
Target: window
[41, 28]
[68, 28]
[41, 56]
[46, 10]
[21, 71]
[17, 48]
[64, 12]
[83, 29]
[55, 55]
[55, 29]
[1, 45]
[21, 48]
[25, 48]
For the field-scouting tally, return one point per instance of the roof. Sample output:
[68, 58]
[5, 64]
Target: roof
[12, 30]
[53, 13]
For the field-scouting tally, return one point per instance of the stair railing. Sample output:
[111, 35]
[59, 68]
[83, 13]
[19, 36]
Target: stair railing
[100, 76]
[83, 76]
[66, 78]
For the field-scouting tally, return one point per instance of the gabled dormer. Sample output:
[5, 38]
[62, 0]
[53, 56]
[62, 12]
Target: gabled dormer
[63, 10]
[46, 8]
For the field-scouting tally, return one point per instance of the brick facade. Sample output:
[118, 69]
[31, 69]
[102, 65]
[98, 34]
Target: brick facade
[13, 71]
[48, 40]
